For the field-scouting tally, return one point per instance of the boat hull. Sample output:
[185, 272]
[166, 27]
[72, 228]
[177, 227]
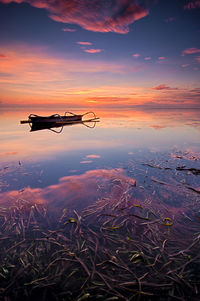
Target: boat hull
[54, 119]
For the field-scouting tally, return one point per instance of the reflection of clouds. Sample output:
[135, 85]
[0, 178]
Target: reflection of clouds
[157, 126]
[156, 118]
[16, 139]
[76, 191]
[8, 154]
[96, 186]
[195, 125]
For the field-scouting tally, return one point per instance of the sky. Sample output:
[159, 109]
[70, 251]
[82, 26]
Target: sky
[108, 53]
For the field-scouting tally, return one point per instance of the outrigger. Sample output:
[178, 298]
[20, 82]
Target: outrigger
[37, 122]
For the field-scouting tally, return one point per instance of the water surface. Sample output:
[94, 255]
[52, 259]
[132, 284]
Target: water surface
[133, 181]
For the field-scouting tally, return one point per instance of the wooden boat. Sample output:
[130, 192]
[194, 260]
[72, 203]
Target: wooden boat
[37, 122]
[54, 118]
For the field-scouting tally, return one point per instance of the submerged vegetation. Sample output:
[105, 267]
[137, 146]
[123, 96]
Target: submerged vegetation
[115, 249]
[109, 252]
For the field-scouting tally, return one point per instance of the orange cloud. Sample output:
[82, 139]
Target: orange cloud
[99, 16]
[93, 156]
[8, 154]
[93, 50]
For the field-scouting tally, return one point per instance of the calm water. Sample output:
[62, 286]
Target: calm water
[132, 142]
[146, 163]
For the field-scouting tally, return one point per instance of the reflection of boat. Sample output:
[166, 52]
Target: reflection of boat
[37, 123]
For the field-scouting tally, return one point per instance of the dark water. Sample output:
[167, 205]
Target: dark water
[106, 212]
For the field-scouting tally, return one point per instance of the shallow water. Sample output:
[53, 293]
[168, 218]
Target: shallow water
[145, 163]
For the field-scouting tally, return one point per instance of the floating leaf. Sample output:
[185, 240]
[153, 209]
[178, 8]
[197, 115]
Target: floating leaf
[71, 220]
[167, 221]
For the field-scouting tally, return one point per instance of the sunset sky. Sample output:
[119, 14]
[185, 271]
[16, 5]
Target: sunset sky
[108, 53]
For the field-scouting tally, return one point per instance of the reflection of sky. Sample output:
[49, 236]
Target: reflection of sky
[40, 158]
[118, 130]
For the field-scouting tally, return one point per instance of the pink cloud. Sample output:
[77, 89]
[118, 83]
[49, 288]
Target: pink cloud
[136, 55]
[99, 16]
[163, 87]
[185, 65]
[84, 43]
[68, 29]
[147, 58]
[92, 50]
[190, 51]
[161, 58]
[192, 5]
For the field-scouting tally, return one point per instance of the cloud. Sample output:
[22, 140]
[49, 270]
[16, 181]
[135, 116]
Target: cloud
[84, 43]
[2, 56]
[163, 87]
[93, 156]
[68, 29]
[147, 58]
[192, 5]
[92, 50]
[136, 55]
[196, 91]
[161, 58]
[32, 74]
[185, 65]
[157, 126]
[98, 16]
[33, 64]
[8, 154]
[190, 51]
[108, 100]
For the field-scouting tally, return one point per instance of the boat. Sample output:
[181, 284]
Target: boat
[37, 122]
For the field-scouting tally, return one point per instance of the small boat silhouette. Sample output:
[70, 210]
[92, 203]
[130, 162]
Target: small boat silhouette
[37, 122]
